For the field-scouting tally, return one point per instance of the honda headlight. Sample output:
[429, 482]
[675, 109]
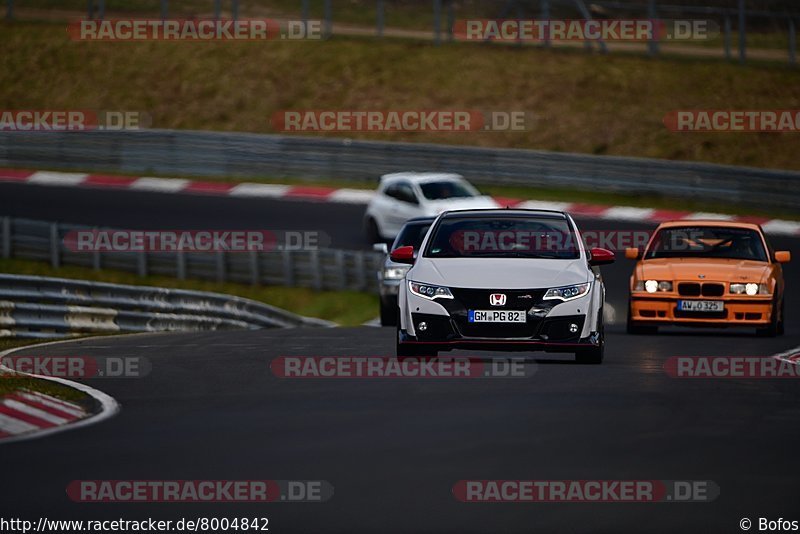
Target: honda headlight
[395, 273]
[428, 291]
[567, 292]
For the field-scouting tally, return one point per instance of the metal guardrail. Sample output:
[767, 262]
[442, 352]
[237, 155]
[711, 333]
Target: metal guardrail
[42, 307]
[322, 268]
[194, 153]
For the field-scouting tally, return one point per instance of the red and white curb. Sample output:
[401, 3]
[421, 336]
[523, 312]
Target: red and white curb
[790, 356]
[26, 414]
[362, 196]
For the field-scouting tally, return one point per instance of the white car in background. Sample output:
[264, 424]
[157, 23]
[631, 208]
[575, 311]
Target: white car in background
[405, 195]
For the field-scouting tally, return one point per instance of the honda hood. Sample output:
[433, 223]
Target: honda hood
[503, 273]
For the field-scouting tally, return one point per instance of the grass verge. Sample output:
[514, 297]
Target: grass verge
[581, 102]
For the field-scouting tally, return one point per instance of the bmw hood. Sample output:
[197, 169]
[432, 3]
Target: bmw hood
[503, 273]
[718, 270]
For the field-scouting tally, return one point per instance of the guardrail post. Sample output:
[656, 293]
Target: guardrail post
[255, 276]
[544, 14]
[288, 267]
[742, 33]
[217, 9]
[316, 270]
[10, 10]
[437, 22]
[451, 20]
[235, 9]
[221, 277]
[141, 264]
[90, 10]
[727, 36]
[95, 255]
[379, 14]
[180, 265]
[361, 271]
[55, 249]
[304, 14]
[340, 268]
[328, 19]
[652, 14]
[6, 237]
[792, 42]
[102, 11]
[164, 9]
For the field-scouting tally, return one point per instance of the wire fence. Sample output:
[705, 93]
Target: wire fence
[322, 269]
[768, 29]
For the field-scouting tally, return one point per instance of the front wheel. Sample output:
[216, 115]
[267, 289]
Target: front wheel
[371, 231]
[388, 314]
[593, 355]
[774, 328]
[636, 329]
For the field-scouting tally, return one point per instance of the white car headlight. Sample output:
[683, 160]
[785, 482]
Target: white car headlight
[651, 286]
[394, 273]
[428, 291]
[750, 289]
[567, 292]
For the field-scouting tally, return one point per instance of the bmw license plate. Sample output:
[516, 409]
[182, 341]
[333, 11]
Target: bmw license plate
[496, 316]
[701, 305]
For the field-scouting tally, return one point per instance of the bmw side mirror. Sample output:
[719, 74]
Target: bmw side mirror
[600, 256]
[403, 255]
[632, 253]
[783, 256]
[380, 247]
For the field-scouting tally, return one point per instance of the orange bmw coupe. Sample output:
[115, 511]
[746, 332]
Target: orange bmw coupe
[707, 273]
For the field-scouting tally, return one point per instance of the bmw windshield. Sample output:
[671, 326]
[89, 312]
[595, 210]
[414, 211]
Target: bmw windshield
[503, 237]
[707, 242]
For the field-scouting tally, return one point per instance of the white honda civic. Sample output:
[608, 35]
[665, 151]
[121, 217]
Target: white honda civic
[502, 279]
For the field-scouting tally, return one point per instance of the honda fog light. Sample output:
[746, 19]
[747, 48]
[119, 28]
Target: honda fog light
[573, 328]
[422, 326]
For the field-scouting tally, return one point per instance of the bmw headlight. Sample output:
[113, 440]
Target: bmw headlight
[428, 291]
[394, 273]
[651, 286]
[750, 289]
[567, 292]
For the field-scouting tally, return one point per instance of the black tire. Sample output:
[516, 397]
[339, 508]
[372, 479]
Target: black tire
[782, 320]
[388, 314]
[371, 231]
[409, 350]
[636, 329]
[594, 355]
[773, 329]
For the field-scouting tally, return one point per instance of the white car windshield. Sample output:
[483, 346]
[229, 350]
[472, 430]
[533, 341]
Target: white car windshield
[503, 237]
[446, 189]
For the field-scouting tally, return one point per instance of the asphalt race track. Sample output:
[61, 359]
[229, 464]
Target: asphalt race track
[392, 449]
